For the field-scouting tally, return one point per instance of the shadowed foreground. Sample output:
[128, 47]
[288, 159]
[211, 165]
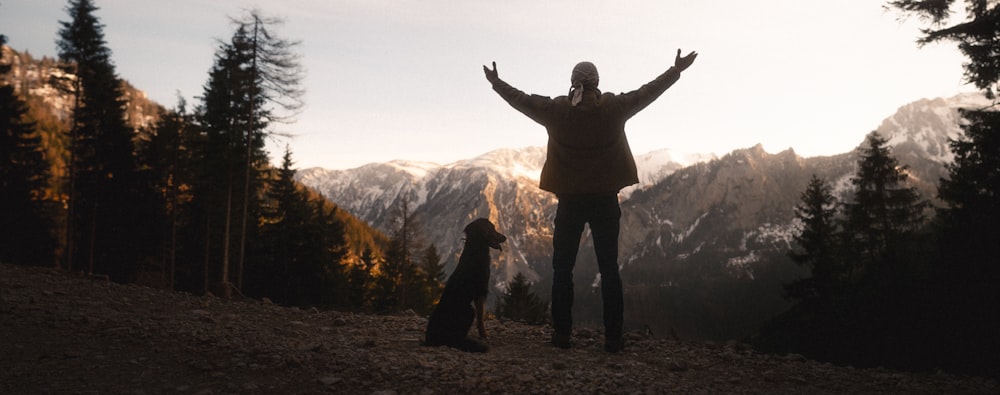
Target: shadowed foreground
[67, 334]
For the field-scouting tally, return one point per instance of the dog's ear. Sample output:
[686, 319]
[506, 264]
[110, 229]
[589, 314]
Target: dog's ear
[476, 229]
[481, 228]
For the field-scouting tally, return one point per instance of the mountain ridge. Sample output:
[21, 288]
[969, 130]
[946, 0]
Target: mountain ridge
[724, 222]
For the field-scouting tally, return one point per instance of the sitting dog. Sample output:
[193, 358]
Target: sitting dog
[452, 318]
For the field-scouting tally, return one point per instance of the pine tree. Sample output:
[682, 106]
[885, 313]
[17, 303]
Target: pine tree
[286, 241]
[970, 244]
[967, 226]
[969, 221]
[282, 239]
[884, 213]
[274, 75]
[220, 158]
[978, 37]
[109, 200]
[25, 237]
[167, 155]
[433, 268]
[253, 84]
[301, 246]
[330, 249]
[360, 278]
[816, 243]
[519, 303]
[427, 283]
[399, 274]
[390, 284]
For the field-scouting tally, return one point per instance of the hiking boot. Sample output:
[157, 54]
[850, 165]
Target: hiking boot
[561, 341]
[614, 345]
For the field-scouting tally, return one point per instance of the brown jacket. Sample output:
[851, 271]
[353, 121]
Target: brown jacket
[588, 152]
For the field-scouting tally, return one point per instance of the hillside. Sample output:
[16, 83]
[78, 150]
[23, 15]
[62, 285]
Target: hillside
[68, 334]
[36, 82]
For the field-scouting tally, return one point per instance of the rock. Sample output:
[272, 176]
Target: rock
[677, 365]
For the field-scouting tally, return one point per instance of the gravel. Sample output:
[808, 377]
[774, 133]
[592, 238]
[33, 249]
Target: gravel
[65, 333]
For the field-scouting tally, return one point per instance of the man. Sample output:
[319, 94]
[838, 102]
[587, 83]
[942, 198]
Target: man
[588, 161]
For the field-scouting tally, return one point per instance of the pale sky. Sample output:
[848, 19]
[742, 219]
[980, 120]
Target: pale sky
[403, 79]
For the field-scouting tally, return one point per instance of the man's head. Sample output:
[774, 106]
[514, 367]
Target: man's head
[585, 75]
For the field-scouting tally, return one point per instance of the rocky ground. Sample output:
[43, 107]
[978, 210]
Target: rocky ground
[68, 334]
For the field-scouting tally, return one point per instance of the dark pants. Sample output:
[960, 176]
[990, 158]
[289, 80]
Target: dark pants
[603, 214]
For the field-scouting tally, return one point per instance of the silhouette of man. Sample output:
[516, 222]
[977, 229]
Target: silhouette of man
[588, 161]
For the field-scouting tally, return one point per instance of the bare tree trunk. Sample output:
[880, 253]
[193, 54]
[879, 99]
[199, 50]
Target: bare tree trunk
[173, 240]
[246, 202]
[70, 217]
[249, 162]
[208, 253]
[224, 283]
[93, 239]
[71, 212]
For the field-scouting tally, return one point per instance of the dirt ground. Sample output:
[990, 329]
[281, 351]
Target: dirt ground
[66, 334]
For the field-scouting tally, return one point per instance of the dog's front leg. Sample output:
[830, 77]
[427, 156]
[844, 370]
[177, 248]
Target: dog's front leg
[480, 313]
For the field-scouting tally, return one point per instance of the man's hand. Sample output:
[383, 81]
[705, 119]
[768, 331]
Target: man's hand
[681, 63]
[491, 75]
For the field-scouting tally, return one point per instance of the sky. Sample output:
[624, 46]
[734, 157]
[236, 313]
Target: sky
[403, 79]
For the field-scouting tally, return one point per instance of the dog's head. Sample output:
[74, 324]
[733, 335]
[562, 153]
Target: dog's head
[483, 230]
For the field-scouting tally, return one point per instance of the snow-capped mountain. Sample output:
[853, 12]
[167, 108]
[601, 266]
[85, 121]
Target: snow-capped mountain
[703, 241]
[721, 229]
[919, 134]
[501, 185]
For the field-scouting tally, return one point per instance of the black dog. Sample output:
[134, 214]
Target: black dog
[452, 318]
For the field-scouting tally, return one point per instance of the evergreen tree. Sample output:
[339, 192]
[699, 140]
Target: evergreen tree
[967, 226]
[109, 200]
[969, 222]
[360, 278]
[970, 244]
[167, 155]
[277, 273]
[519, 303]
[399, 274]
[884, 214]
[301, 246]
[433, 268]
[971, 192]
[427, 284]
[274, 75]
[390, 284]
[25, 237]
[978, 37]
[253, 84]
[816, 243]
[220, 158]
[330, 250]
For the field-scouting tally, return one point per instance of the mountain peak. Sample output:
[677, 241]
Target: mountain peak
[414, 168]
[922, 128]
[524, 162]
